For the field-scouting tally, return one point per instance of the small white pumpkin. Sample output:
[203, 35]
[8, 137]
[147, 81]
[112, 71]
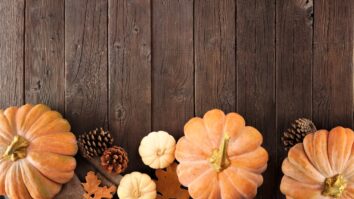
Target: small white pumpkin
[137, 185]
[157, 149]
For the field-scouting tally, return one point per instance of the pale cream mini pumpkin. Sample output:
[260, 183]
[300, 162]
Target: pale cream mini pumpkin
[137, 185]
[157, 149]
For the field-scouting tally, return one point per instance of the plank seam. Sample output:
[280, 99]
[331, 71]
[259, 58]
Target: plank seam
[194, 66]
[313, 57]
[236, 59]
[64, 108]
[108, 69]
[151, 68]
[24, 54]
[278, 177]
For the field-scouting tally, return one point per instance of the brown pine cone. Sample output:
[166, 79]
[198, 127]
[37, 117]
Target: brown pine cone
[297, 132]
[93, 143]
[114, 160]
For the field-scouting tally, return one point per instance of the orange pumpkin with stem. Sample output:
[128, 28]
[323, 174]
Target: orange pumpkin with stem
[36, 152]
[322, 167]
[220, 157]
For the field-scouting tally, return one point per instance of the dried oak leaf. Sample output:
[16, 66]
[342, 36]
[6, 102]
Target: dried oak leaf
[168, 185]
[93, 189]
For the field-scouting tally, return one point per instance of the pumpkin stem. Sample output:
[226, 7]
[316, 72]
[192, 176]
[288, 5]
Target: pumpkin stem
[17, 149]
[334, 186]
[219, 159]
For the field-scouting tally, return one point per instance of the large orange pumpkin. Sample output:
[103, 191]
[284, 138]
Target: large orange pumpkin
[36, 148]
[322, 167]
[220, 157]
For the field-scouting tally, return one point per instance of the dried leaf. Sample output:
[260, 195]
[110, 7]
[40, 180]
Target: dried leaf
[168, 185]
[93, 189]
[104, 192]
[92, 183]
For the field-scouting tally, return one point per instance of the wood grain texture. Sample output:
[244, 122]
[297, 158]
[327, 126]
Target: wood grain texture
[215, 73]
[86, 63]
[294, 57]
[44, 53]
[134, 66]
[86, 67]
[11, 52]
[173, 97]
[129, 44]
[333, 63]
[256, 77]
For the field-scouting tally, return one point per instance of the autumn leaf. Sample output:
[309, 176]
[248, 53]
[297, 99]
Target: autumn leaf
[105, 192]
[168, 185]
[93, 189]
[92, 183]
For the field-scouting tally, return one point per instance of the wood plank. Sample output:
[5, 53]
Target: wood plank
[333, 62]
[256, 77]
[44, 53]
[173, 70]
[215, 72]
[129, 44]
[294, 58]
[86, 66]
[11, 52]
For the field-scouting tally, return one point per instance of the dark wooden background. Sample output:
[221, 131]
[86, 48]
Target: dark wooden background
[134, 66]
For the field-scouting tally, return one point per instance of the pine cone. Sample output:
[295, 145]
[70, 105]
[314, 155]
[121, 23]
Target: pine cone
[114, 160]
[94, 143]
[297, 132]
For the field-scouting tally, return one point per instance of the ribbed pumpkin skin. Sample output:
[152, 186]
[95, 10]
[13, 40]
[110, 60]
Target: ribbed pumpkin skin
[157, 149]
[49, 162]
[136, 185]
[322, 155]
[247, 158]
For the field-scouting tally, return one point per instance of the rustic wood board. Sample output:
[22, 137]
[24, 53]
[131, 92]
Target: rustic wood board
[44, 53]
[214, 55]
[86, 67]
[129, 40]
[256, 77]
[173, 93]
[333, 63]
[11, 53]
[135, 66]
[294, 61]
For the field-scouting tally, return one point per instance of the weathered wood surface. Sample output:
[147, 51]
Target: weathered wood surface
[129, 46]
[333, 63]
[294, 61]
[255, 59]
[137, 66]
[86, 67]
[214, 55]
[11, 53]
[44, 53]
[172, 65]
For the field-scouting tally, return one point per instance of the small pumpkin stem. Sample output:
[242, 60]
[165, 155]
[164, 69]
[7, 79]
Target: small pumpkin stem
[219, 159]
[137, 193]
[160, 152]
[17, 149]
[334, 186]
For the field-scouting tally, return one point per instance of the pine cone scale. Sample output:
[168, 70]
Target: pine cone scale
[94, 142]
[115, 160]
[297, 132]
